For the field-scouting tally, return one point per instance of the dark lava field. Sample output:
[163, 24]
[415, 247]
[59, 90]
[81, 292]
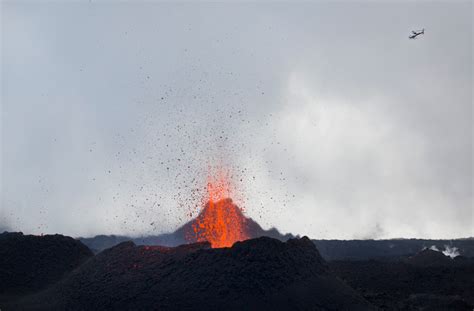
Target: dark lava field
[55, 272]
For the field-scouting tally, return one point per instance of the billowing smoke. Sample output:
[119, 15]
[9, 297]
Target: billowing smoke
[450, 251]
[434, 248]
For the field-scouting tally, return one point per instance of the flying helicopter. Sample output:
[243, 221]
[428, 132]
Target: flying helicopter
[416, 33]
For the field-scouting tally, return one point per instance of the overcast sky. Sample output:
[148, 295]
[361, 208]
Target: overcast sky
[330, 121]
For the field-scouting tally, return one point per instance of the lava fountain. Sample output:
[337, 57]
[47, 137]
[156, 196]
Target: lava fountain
[221, 222]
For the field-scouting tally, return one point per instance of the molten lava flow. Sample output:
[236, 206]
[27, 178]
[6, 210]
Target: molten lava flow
[221, 222]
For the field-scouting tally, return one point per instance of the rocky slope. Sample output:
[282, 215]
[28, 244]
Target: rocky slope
[258, 274]
[29, 263]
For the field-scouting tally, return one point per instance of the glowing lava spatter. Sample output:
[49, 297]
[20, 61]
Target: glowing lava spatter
[221, 222]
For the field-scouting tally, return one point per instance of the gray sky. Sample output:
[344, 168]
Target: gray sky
[331, 122]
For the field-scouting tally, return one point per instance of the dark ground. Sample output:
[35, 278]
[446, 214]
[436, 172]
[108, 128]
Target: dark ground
[426, 281]
[258, 274]
[29, 263]
[60, 273]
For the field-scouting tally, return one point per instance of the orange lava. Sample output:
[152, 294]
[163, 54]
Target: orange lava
[221, 222]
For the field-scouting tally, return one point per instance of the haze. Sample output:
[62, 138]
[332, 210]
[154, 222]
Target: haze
[332, 123]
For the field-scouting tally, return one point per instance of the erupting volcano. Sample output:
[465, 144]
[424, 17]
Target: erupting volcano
[221, 222]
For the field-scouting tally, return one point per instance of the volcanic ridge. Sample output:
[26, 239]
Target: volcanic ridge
[256, 274]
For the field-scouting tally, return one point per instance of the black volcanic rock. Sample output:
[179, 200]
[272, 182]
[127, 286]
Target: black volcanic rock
[258, 274]
[29, 263]
[400, 285]
[429, 257]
